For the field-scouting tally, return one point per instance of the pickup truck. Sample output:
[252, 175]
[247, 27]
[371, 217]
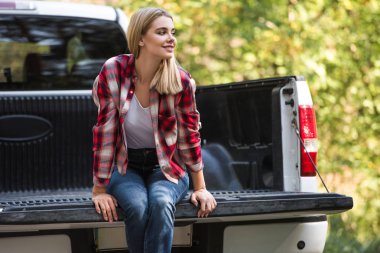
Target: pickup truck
[259, 145]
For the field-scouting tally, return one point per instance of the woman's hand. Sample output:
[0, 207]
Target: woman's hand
[104, 203]
[206, 200]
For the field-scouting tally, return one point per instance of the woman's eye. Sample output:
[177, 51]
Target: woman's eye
[164, 32]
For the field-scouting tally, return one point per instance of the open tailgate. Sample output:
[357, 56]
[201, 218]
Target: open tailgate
[77, 207]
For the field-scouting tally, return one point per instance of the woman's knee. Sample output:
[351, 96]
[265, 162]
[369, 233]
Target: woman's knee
[134, 210]
[162, 204]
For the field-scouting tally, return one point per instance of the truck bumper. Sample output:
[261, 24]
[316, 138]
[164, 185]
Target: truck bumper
[308, 237]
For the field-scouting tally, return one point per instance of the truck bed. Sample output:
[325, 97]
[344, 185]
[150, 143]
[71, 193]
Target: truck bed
[45, 176]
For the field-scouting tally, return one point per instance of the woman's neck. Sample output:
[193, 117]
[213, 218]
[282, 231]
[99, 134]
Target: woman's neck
[146, 69]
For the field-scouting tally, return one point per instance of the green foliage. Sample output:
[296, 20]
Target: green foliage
[335, 45]
[343, 239]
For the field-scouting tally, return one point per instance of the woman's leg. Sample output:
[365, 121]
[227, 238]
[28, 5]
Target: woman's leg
[163, 195]
[131, 195]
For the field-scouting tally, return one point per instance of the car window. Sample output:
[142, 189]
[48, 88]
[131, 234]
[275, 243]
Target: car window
[39, 53]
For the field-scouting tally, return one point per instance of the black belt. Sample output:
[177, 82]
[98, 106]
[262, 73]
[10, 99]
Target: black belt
[141, 151]
[142, 157]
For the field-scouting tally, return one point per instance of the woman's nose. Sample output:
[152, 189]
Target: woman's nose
[171, 38]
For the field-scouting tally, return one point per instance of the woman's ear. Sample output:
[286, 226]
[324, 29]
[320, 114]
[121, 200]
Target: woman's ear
[141, 43]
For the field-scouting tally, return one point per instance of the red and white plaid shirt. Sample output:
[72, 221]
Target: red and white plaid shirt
[175, 123]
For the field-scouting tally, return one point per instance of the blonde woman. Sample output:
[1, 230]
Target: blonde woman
[146, 139]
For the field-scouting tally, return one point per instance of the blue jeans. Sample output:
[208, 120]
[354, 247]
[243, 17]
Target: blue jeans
[148, 200]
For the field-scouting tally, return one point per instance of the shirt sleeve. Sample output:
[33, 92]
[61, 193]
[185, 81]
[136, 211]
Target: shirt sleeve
[105, 130]
[189, 141]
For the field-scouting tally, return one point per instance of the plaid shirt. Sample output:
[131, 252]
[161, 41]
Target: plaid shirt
[175, 122]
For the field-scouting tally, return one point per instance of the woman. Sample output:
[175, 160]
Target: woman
[147, 127]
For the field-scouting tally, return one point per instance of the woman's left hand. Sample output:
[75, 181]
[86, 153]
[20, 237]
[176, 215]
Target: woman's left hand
[205, 200]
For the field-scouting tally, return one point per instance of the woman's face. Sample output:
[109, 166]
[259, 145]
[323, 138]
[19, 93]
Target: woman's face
[159, 40]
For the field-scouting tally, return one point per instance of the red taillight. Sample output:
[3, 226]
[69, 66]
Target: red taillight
[308, 131]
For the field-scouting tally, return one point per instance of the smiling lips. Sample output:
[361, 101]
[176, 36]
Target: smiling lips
[169, 47]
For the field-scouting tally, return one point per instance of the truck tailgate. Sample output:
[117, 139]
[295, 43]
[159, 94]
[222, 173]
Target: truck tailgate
[77, 207]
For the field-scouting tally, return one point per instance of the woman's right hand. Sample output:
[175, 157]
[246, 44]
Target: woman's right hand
[105, 203]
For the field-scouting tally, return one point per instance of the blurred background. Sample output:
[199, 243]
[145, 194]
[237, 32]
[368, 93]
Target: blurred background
[335, 45]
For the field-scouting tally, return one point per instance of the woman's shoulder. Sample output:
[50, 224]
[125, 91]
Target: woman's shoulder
[120, 64]
[121, 59]
[185, 75]
[186, 79]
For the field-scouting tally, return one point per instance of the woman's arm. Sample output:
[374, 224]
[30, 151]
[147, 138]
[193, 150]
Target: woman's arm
[104, 142]
[190, 149]
[105, 131]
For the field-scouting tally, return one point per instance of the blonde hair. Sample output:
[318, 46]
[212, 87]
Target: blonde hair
[167, 79]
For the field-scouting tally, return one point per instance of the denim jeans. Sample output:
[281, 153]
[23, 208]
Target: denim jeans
[148, 200]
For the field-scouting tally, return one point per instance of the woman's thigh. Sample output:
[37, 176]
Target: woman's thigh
[129, 190]
[161, 189]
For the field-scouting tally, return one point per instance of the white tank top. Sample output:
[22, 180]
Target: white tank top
[138, 126]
